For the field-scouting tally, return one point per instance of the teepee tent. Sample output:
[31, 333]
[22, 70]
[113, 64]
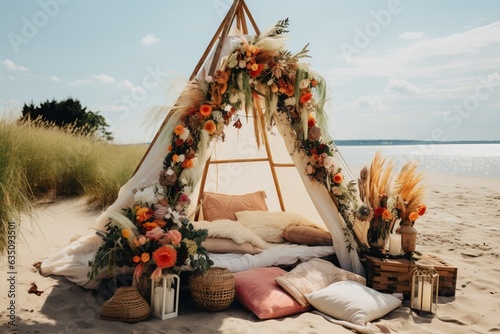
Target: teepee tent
[274, 143]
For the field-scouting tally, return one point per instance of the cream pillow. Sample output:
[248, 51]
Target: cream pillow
[314, 275]
[307, 235]
[224, 245]
[352, 302]
[269, 225]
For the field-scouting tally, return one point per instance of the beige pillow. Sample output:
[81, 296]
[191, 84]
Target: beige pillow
[221, 206]
[224, 245]
[269, 225]
[314, 275]
[307, 235]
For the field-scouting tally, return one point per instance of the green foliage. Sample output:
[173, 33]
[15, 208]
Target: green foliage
[40, 162]
[68, 114]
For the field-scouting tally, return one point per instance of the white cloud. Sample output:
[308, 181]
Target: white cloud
[402, 86]
[55, 79]
[127, 85]
[474, 49]
[9, 65]
[365, 102]
[411, 36]
[11, 77]
[80, 82]
[149, 40]
[111, 108]
[103, 78]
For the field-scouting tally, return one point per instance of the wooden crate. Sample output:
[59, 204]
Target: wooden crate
[394, 275]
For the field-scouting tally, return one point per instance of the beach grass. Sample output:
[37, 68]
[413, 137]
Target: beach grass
[48, 162]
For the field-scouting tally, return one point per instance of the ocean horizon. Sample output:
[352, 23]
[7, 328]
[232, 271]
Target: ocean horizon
[477, 159]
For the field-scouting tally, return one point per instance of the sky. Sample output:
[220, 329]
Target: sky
[396, 69]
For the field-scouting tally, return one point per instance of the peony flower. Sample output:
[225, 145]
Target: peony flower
[205, 110]
[209, 127]
[145, 257]
[337, 178]
[146, 196]
[168, 177]
[142, 214]
[165, 257]
[304, 98]
[160, 211]
[126, 233]
[174, 236]
[155, 233]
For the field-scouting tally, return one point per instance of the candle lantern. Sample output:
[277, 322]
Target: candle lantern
[165, 296]
[424, 288]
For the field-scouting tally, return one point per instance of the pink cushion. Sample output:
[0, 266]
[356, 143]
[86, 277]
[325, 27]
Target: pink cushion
[221, 206]
[258, 292]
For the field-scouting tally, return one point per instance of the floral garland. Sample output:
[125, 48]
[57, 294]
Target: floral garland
[154, 235]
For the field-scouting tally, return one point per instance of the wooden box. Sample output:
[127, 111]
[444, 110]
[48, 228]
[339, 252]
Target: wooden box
[394, 275]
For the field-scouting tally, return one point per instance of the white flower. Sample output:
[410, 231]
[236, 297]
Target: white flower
[146, 196]
[234, 98]
[329, 162]
[309, 169]
[290, 101]
[181, 158]
[209, 78]
[185, 134]
[242, 64]
[217, 115]
[304, 83]
[336, 190]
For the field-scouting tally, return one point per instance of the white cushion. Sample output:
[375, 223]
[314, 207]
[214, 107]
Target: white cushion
[352, 302]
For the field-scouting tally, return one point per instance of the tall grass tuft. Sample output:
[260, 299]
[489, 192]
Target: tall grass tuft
[39, 162]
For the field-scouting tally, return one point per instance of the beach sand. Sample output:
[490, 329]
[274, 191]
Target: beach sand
[460, 226]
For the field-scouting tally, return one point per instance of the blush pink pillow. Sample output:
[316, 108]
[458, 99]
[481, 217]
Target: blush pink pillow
[222, 206]
[258, 292]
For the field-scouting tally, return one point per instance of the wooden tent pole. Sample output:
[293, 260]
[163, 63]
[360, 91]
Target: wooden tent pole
[250, 17]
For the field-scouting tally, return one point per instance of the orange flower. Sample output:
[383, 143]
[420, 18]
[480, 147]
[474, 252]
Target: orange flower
[205, 110]
[160, 222]
[175, 158]
[413, 216]
[304, 98]
[188, 163]
[179, 129]
[143, 214]
[165, 257]
[169, 148]
[210, 127]
[126, 233]
[386, 215]
[145, 257]
[149, 226]
[256, 72]
[314, 83]
[421, 209]
[136, 259]
[337, 178]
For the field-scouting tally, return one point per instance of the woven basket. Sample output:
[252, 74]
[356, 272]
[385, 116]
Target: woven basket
[213, 291]
[126, 305]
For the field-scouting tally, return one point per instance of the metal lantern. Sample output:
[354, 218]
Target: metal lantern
[165, 296]
[424, 288]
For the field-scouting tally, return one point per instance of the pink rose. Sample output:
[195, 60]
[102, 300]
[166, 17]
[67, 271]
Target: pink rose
[174, 236]
[155, 234]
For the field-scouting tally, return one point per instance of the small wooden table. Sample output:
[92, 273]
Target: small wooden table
[394, 275]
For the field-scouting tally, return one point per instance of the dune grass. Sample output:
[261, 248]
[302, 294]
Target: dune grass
[37, 162]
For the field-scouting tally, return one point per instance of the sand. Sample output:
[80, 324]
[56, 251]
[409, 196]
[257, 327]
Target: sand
[460, 226]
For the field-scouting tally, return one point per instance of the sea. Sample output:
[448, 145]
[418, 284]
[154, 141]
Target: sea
[471, 159]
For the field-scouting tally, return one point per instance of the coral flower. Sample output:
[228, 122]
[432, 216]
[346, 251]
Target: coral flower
[175, 158]
[188, 163]
[210, 127]
[413, 216]
[165, 257]
[174, 236]
[337, 178]
[126, 233]
[149, 226]
[138, 271]
[386, 215]
[136, 259]
[205, 110]
[179, 129]
[169, 148]
[143, 214]
[155, 233]
[160, 222]
[145, 257]
[421, 209]
[304, 98]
